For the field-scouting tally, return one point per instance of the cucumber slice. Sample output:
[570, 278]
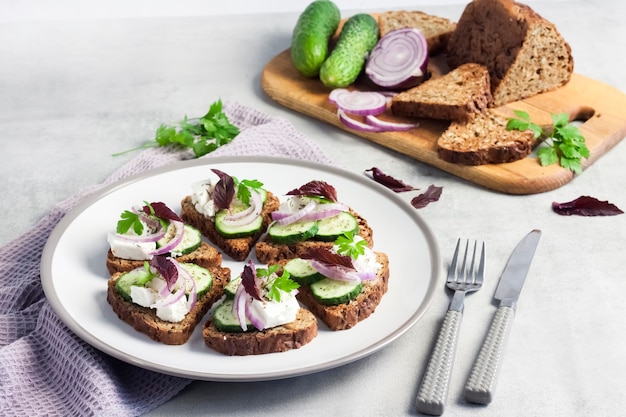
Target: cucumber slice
[331, 228]
[231, 287]
[202, 277]
[332, 292]
[226, 321]
[293, 232]
[139, 277]
[233, 232]
[192, 239]
[301, 271]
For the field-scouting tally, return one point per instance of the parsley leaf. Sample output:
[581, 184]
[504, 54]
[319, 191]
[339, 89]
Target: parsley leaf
[203, 135]
[348, 246]
[284, 283]
[128, 220]
[243, 189]
[565, 144]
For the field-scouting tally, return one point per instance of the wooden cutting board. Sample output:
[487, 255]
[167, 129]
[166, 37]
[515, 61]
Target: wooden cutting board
[600, 107]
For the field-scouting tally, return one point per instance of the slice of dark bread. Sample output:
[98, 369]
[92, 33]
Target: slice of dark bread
[437, 30]
[484, 140]
[457, 95]
[348, 315]
[145, 320]
[282, 338]
[239, 248]
[268, 251]
[524, 52]
[206, 256]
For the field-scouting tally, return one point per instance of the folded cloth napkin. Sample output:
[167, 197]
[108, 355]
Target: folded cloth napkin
[47, 370]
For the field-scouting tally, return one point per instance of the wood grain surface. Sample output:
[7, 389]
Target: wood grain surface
[600, 108]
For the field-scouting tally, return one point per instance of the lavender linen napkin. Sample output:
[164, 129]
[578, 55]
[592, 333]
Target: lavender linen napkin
[45, 370]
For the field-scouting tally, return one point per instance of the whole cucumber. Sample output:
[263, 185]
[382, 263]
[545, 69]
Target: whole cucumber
[358, 37]
[309, 40]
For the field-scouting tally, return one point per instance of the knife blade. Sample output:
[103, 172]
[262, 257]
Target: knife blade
[481, 383]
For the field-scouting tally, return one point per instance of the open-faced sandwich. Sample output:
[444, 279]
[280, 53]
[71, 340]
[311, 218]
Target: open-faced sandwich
[232, 214]
[311, 217]
[260, 314]
[164, 298]
[152, 230]
[341, 285]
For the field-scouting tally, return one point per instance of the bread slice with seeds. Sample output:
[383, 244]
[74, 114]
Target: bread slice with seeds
[437, 30]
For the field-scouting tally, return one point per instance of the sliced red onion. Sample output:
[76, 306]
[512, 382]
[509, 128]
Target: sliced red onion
[249, 215]
[389, 126]
[355, 124]
[141, 238]
[175, 241]
[359, 103]
[294, 217]
[399, 60]
[255, 320]
[189, 284]
[338, 272]
[367, 275]
[239, 306]
[172, 297]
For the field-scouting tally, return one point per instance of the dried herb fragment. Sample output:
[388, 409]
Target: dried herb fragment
[389, 181]
[431, 195]
[586, 206]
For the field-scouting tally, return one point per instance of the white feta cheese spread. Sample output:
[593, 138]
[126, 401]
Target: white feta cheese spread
[274, 313]
[173, 312]
[202, 197]
[366, 262]
[127, 249]
[150, 296]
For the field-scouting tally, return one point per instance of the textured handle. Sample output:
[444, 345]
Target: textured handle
[481, 383]
[432, 394]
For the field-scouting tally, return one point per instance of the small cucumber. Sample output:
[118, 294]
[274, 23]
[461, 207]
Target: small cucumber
[232, 232]
[292, 233]
[301, 271]
[332, 292]
[226, 321]
[358, 37]
[139, 277]
[202, 277]
[192, 239]
[231, 288]
[309, 40]
[331, 228]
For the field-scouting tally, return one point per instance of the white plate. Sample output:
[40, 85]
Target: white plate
[74, 275]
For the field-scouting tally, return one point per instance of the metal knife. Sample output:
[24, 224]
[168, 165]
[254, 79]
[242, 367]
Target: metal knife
[481, 383]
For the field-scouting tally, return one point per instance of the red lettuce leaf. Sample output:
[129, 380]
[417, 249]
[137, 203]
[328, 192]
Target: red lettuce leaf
[162, 211]
[325, 256]
[316, 189]
[389, 181]
[224, 191]
[431, 195]
[248, 280]
[166, 267]
[586, 206]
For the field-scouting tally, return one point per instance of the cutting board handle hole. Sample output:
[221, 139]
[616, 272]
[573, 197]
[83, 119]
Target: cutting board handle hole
[582, 114]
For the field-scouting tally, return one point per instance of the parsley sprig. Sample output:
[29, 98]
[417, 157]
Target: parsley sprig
[349, 246]
[203, 135]
[278, 283]
[565, 144]
[243, 188]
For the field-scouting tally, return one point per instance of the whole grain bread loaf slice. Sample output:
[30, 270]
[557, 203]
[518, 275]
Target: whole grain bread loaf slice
[282, 338]
[238, 248]
[524, 52]
[484, 140]
[457, 95]
[437, 30]
[206, 256]
[348, 315]
[268, 251]
[145, 320]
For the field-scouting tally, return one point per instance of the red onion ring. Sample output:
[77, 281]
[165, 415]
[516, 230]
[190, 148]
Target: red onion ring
[358, 103]
[389, 126]
[338, 272]
[239, 306]
[249, 214]
[399, 60]
[294, 217]
[140, 238]
[175, 241]
[255, 320]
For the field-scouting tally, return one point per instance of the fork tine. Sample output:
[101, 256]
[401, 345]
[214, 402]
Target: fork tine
[480, 274]
[463, 273]
[452, 269]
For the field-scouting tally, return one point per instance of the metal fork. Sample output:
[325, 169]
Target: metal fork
[431, 397]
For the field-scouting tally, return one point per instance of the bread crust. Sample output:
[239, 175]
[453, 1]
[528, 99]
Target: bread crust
[239, 248]
[437, 30]
[205, 256]
[282, 338]
[145, 320]
[267, 252]
[524, 52]
[484, 140]
[457, 95]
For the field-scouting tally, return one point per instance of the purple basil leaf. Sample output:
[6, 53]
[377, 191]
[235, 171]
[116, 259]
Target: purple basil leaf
[431, 195]
[586, 206]
[316, 189]
[248, 280]
[166, 268]
[389, 181]
[162, 211]
[327, 257]
[224, 191]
